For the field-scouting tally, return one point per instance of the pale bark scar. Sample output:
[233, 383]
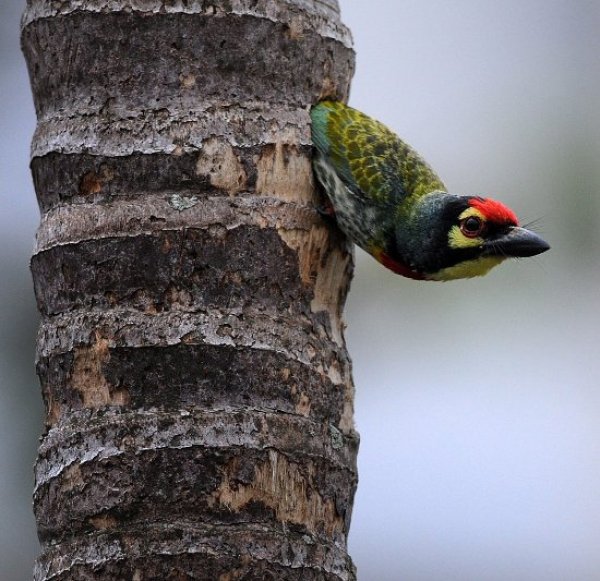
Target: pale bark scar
[309, 247]
[303, 405]
[295, 28]
[221, 165]
[325, 268]
[322, 266]
[91, 182]
[103, 522]
[284, 172]
[72, 478]
[88, 379]
[53, 410]
[328, 89]
[291, 493]
[187, 81]
[331, 277]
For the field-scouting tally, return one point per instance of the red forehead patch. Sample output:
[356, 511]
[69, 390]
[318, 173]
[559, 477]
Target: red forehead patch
[494, 211]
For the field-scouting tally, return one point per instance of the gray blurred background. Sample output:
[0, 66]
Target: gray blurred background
[478, 402]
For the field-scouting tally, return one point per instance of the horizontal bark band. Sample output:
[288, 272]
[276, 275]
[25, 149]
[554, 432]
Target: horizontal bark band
[257, 552]
[183, 271]
[198, 484]
[195, 483]
[127, 328]
[321, 16]
[192, 377]
[174, 60]
[167, 214]
[117, 131]
[82, 438]
[80, 178]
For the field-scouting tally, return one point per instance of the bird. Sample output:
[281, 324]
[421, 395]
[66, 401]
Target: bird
[386, 199]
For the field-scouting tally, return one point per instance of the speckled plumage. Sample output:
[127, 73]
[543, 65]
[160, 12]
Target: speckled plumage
[367, 153]
[372, 175]
[390, 202]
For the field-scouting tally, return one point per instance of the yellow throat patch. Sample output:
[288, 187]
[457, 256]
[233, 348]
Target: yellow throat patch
[469, 268]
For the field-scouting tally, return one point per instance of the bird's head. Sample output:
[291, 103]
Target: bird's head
[450, 237]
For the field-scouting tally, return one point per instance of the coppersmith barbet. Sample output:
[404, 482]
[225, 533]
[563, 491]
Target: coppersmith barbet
[388, 201]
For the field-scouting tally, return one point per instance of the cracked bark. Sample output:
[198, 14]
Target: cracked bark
[191, 352]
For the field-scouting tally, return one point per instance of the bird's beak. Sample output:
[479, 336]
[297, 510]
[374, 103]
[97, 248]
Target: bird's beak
[517, 242]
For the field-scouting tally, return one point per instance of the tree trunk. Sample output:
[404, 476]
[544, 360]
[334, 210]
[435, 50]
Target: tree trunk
[196, 380]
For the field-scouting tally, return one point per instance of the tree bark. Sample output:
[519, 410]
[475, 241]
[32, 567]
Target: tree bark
[191, 352]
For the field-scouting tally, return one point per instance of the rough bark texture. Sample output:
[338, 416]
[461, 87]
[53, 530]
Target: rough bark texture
[191, 354]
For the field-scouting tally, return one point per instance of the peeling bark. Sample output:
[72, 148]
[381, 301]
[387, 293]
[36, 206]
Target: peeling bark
[191, 353]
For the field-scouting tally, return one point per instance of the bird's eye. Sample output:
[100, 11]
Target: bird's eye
[472, 226]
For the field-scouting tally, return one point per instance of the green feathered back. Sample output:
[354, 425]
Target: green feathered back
[369, 158]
